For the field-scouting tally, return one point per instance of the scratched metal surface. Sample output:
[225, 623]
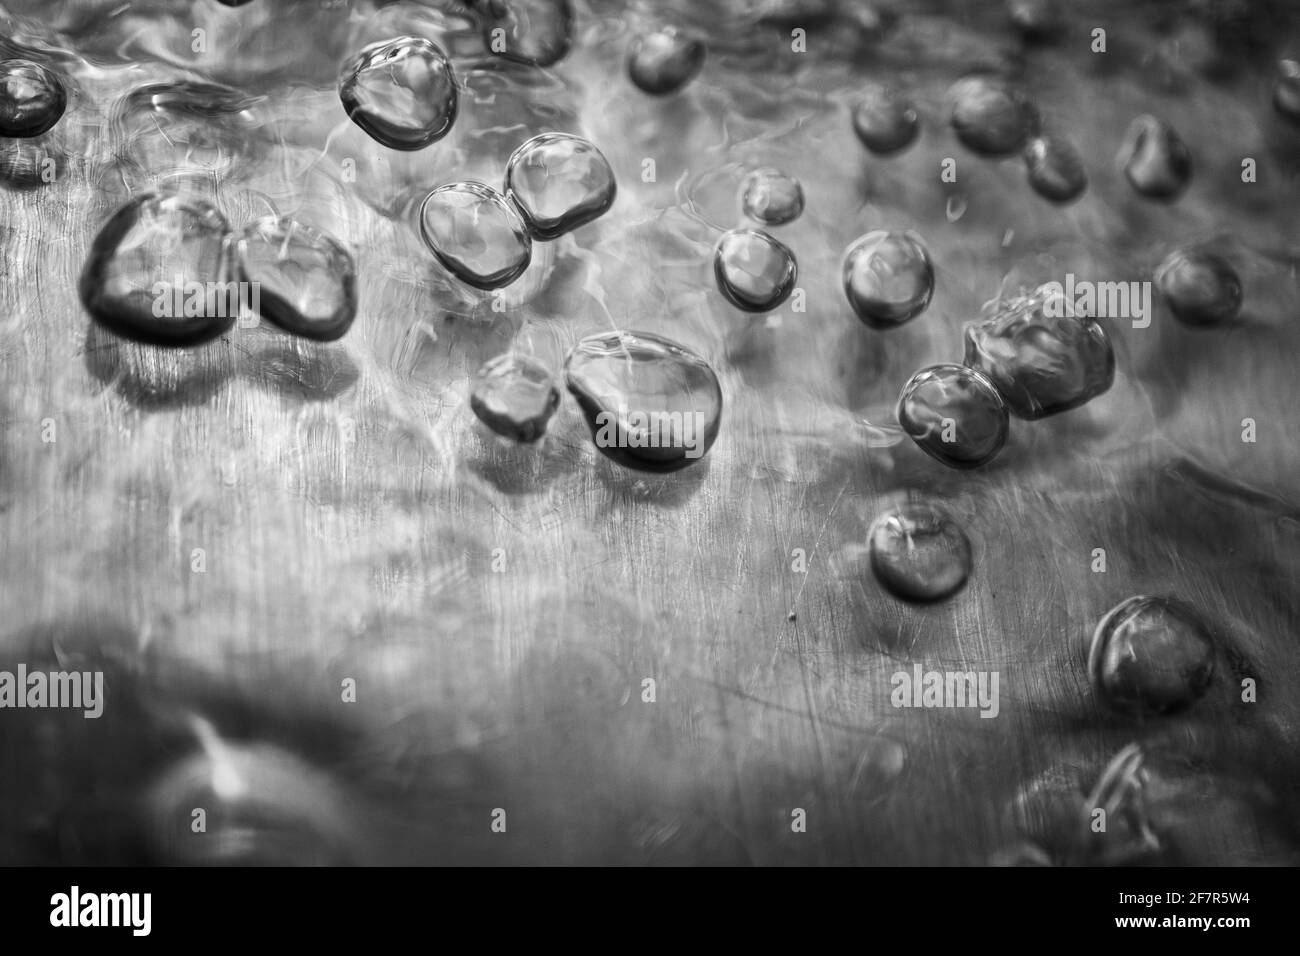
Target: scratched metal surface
[349, 508]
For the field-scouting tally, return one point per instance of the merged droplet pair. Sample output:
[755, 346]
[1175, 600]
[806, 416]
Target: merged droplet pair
[1031, 358]
[650, 403]
[168, 270]
[554, 184]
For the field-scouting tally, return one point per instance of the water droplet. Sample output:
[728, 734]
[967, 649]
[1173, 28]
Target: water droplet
[1055, 169]
[754, 271]
[476, 234]
[651, 404]
[559, 182]
[32, 98]
[954, 414]
[955, 208]
[1286, 92]
[990, 116]
[401, 91]
[1041, 364]
[514, 396]
[263, 807]
[532, 32]
[919, 552]
[1200, 287]
[130, 280]
[195, 126]
[1150, 655]
[771, 197]
[888, 278]
[1121, 791]
[664, 61]
[305, 279]
[1156, 160]
[1036, 20]
[884, 120]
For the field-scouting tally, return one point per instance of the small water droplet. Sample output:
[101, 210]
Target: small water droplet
[771, 197]
[32, 98]
[954, 414]
[754, 271]
[476, 234]
[1055, 169]
[664, 61]
[1201, 288]
[990, 116]
[129, 283]
[651, 404]
[515, 396]
[402, 92]
[559, 182]
[532, 32]
[1150, 655]
[884, 120]
[1156, 161]
[888, 278]
[1041, 365]
[1286, 92]
[955, 208]
[305, 278]
[919, 552]
[186, 126]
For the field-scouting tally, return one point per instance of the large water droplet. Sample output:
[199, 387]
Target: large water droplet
[401, 91]
[990, 116]
[305, 280]
[1042, 359]
[651, 404]
[954, 414]
[158, 272]
[263, 807]
[888, 278]
[533, 32]
[559, 182]
[32, 98]
[664, 61]
[1055, 169]
[476, 234]
[884, 120]
[754, 271]
[194, 126]
[1150, 655]
[515, 396]
[1200, 287]
[1286, 91]
[1156, 161]
[771, 197]
[919, 552]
